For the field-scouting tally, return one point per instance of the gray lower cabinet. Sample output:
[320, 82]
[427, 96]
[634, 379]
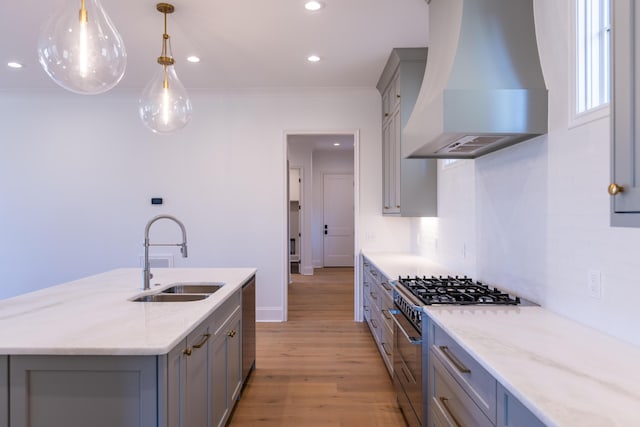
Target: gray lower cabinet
[204, 372]
[226, 370]
[4, 391]
[512, 413]
[195, 385]
[377, 303]
[461, 392]
[625, 114]
[79, 391]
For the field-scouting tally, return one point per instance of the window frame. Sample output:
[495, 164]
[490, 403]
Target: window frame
[602, 110]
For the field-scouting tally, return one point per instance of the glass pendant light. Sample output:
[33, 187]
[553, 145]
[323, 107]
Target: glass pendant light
[164, 105]
[81, 50]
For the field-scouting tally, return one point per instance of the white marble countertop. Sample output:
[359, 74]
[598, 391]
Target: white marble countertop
[567, 374]
[95, 315]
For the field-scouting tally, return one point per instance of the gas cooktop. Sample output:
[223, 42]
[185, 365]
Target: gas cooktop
[455, 290]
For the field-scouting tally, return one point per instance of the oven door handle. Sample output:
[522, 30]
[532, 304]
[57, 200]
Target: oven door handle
[412, 340]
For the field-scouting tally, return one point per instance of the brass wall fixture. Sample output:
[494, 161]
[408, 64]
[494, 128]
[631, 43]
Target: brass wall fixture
[615, 189]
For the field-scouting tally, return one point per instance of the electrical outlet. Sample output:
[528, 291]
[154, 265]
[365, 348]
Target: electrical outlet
[594, 284]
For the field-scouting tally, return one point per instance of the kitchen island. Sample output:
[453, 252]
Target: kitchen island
[85, 353]
[561, 372]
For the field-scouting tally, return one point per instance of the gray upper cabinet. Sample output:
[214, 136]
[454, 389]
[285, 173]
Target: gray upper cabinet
[625, 142]
[409, 185]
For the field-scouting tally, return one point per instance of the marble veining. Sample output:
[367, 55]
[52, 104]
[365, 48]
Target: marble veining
[566, 373]
[96, 315]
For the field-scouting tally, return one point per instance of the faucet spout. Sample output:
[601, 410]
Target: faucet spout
[146, 273]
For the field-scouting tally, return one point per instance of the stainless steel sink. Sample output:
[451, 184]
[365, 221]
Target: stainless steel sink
[194, 288]
[171, 297]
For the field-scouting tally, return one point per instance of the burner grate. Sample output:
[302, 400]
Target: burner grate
[455, 290]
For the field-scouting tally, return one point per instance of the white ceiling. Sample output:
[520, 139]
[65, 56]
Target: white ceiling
[242, 43]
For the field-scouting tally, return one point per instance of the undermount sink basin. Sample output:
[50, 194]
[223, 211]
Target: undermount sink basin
[171, 297]
[194, 288]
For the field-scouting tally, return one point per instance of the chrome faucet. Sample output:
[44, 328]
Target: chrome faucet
[146, 273]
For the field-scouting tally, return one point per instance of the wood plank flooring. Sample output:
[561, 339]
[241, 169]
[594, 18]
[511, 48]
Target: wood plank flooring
[320, 368]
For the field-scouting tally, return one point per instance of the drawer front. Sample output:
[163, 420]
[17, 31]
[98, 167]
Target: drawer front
[473, 378]
[450, 405]
[386, 305]
[226, 310]
[386, 346]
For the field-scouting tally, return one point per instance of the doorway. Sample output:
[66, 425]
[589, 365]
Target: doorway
[322, 157]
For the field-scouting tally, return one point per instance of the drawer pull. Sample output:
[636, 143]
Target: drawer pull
[454, 360]
[386, 286]
[232, 333]
[373, 322]
[384, 347]
[205, 338]
[444, 401]
[373, 296]
[386, 315]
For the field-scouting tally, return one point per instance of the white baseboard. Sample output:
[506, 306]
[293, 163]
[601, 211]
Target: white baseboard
[306, 270]
[269, 314]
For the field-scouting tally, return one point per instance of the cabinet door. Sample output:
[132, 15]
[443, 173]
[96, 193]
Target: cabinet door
[81, 391]
[396, 159]
[512, 413]
[234, 359]
[226, 370]
[4, 392]
[172, 386]
[197, 373]
[218, 366]
[388, 172]
[625, 153]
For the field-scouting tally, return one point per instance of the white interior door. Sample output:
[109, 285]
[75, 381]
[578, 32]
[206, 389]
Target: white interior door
[338, 220]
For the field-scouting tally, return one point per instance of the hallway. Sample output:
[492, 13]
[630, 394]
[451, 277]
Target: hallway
[320, 368]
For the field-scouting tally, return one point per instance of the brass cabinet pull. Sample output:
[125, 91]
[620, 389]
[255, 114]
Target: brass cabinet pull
[205, 337]
[454, 360]
[444, 401]
[373, 296]
[615, 189]
[398, 206]
[386, 114]
[386, 316]
[384, 347]
[231, 333]
[397, 95]
[373, 322]
[386, 207]
[386, 286]
[188, 351]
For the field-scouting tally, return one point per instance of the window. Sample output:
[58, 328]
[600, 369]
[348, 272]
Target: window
[592, 59]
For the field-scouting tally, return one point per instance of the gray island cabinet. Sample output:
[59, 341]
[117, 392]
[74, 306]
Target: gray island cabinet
[195, 381]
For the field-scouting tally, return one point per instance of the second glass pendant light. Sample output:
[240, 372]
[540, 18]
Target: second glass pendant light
[164, 105]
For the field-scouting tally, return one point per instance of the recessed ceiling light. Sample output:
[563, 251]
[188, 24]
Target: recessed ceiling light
[193, 58]
[313, 5]
[336, 144]
[14, 64]
[313, 58]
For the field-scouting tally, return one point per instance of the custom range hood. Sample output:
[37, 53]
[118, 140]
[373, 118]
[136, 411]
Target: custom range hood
[483, 88]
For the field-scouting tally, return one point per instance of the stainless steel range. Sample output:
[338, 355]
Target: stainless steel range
[409, 296]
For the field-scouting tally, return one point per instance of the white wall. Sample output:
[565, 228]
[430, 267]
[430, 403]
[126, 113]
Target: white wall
[77, 174]
[324, 162]
[541, 209]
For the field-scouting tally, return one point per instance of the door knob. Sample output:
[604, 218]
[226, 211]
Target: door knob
[615, 189]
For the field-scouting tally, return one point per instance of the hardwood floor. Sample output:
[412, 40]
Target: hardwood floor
[320, 368]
